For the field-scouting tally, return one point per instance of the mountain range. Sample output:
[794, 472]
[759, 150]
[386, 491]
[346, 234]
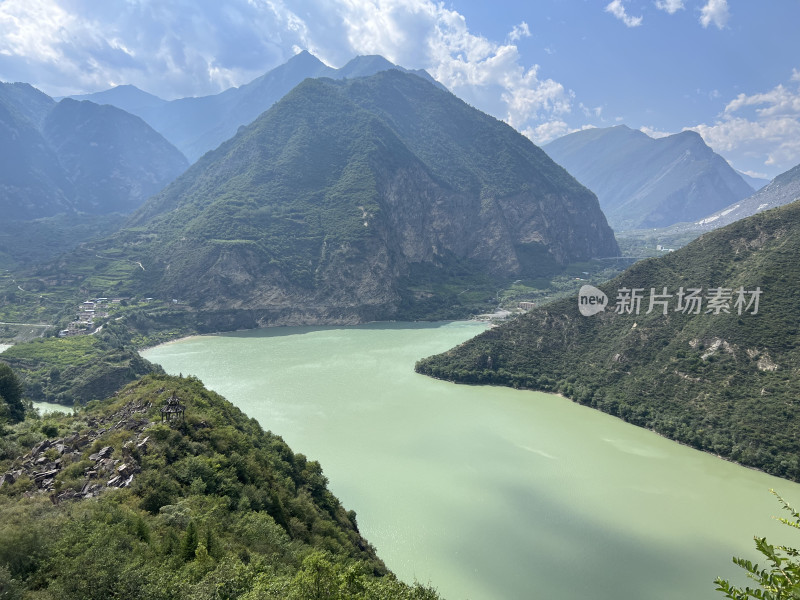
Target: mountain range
[71, 156]
[341, 200]
[643, 182]
[784, 189]
[707, 356]
[197, 125]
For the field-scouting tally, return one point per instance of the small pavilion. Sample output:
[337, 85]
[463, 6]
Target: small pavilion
[173, 410]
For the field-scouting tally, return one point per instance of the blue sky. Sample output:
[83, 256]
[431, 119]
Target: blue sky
[729, 69]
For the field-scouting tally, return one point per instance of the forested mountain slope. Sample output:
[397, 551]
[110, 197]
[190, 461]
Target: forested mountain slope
[718, 371]
[336, 203]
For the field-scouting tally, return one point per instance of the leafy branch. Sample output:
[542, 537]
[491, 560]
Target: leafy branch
[781, 579]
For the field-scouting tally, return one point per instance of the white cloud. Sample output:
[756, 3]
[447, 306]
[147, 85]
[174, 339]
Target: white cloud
[670, 6]
[520, 31]
[654, 133]
[716, 12]
[33, 28]
[547, 132]
[779, 101]
[617, 9]
[591, 112]
[488, 75]
[176, 49]
[764, 125]
[777, 140]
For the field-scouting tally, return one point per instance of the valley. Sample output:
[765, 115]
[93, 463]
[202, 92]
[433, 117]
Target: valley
[390, 279]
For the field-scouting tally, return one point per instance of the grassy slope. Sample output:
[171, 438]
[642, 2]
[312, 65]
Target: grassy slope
[660, 371]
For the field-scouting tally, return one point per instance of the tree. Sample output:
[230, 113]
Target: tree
[9, 588]
[189, 543]
[11, 394]
[156, 490]
[781, 581]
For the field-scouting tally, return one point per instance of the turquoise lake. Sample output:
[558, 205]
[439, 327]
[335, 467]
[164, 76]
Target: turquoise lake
[490, 493]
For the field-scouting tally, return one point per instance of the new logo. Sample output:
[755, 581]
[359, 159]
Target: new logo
[591, 300]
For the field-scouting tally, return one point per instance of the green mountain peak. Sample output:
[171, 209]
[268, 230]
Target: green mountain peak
[330, 205]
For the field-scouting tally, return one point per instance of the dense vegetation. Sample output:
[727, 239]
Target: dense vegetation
[726, 383]
[76, 370]
[26, 243]
[12, 407]
[220, 509]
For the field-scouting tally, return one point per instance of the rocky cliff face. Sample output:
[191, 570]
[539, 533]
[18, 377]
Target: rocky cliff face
[330, 205]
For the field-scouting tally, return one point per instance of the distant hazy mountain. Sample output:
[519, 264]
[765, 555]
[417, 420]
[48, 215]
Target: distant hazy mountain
[338, 203]
[29, 102]
[364, 66]
[785, 188]
[114, 160]
[32, 182]
[197, 125]
[127, 97]
[754, 182]
[76, 157]
[643, 182]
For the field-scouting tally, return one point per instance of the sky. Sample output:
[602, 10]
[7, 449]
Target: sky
[728, 69]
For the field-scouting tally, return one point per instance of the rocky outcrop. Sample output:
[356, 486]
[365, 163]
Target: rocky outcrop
[103, 469]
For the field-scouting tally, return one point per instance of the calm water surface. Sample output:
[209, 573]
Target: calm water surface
[50, 407]
[490, 493]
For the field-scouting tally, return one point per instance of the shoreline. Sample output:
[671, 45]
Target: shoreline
[314, 326]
